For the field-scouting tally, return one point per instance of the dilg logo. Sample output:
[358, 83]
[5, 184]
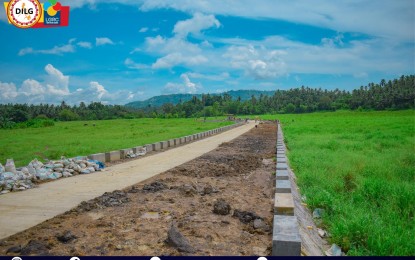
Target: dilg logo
[24, 13]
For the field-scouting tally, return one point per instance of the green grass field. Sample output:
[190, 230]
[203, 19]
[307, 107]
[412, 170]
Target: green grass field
[360, 168]
[73, 138]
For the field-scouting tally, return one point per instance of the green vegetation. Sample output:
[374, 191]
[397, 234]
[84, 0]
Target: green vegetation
[360, 168]
[74, 138]
[395, 94]
[175, 99]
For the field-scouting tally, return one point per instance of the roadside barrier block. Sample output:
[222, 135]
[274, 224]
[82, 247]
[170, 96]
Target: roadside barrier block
[282, 166]
[112, 156]
[164, 145]
[171, 143]
[283, 186]
[156, 146]
[284, 204]
[149, 147]
[98, 156]
[182, 140]
[281, 175]
[123, 152]
[280, 155]
[137, 149]
[282, 159]
[286, 239]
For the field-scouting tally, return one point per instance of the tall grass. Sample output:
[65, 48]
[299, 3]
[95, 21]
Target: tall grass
[360, 168]
[75, 138]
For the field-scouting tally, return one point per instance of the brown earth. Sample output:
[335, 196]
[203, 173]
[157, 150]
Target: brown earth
[218, 204]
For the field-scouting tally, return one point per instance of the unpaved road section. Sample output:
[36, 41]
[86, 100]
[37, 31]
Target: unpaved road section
[220, 203]
[22, 210]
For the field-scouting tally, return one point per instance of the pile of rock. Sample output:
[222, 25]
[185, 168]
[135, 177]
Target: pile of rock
[141, 152]
[12, 179]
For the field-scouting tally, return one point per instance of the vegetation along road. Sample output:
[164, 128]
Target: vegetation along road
[87, 137]
[359, 168]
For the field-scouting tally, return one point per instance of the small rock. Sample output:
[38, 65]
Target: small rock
[177, 240]
[245, 216]
[66, 174]
[58, 165]
[154, 187]
[133, 189]
[58, 175]
[221, 207]
[188, 190]
[151, 215]
[14, 249]
[259, 251]
[66, 237]
[35, 247]
[318, 213]
[334, 250]
[259, 223]
[321, 232]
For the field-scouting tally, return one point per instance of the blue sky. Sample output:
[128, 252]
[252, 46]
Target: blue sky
[121, 51]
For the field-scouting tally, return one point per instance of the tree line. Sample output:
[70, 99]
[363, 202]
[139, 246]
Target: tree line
[393, 94]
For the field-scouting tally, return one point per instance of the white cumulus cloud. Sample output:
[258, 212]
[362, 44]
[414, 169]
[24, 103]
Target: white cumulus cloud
[143, 30]
[86, 45]
[186, 87]
[259, 63]
[174, 59]
[55, 88]
[103, 41]
[195, 24]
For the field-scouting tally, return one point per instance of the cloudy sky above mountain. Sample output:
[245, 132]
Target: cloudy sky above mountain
[120, 51]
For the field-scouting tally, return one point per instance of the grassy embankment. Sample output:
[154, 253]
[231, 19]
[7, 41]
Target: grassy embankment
[73, 138]
[360, 168]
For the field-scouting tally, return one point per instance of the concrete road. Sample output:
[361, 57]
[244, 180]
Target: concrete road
[22, 210]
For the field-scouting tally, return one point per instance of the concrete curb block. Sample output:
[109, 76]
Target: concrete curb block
[283, 186]
[121, 154]
[156, 146]
[281, 175]
[112, 156]
[284, 204]
[149, 147]
[124, 152]
[98, 156]
[286, 240]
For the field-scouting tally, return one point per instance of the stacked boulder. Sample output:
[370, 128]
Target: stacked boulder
[12, 179]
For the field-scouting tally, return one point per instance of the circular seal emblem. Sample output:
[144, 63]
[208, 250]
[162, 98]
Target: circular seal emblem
[24, 13]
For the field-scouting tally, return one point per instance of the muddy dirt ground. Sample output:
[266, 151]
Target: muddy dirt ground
[218, 204]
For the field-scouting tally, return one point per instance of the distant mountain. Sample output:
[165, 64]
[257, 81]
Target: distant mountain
[158, 101]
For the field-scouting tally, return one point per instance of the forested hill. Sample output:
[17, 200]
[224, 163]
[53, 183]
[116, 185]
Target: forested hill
[175, 99]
